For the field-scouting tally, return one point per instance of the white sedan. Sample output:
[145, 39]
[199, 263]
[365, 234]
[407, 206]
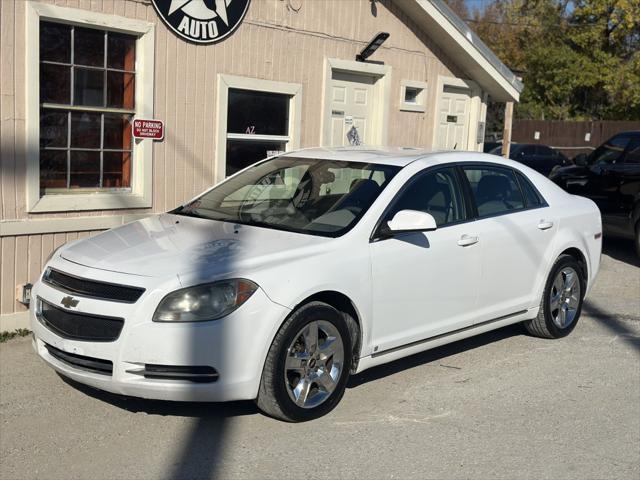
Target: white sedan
[289, 276]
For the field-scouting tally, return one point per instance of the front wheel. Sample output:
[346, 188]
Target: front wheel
[561, 302]
[308, 364]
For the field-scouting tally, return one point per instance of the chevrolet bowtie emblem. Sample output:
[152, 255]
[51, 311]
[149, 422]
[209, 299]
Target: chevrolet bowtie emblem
[69, 302]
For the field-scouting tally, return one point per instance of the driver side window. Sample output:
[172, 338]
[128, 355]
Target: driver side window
[437, 192]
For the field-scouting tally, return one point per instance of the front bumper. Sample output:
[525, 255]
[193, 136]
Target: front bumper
[235, 346]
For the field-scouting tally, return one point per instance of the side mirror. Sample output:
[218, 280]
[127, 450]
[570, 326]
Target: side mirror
[580, 159]
[411, 221]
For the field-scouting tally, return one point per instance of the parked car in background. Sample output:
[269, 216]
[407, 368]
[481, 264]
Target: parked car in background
[541, 158]
[289, 276]
[489, 146]
[610, 176]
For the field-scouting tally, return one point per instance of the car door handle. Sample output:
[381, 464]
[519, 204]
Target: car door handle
[545, 225]
[466, 240]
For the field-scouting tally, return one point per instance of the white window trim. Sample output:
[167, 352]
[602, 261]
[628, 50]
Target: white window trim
[141, 175]
[382, 89]
[225, 82]
[421, 101]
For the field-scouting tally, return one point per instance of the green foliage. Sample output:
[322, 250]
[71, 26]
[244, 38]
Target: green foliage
[21, 332]
[579, 59]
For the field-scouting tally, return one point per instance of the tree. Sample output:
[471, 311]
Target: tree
[580, 59]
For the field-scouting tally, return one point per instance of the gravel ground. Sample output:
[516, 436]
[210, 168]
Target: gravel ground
[500, 405]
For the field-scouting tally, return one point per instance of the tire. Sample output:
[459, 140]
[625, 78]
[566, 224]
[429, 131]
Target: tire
[302, 379]
[559, 308]
[637, 239]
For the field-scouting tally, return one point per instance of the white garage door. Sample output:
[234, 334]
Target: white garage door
[453, 119]
[351, 106]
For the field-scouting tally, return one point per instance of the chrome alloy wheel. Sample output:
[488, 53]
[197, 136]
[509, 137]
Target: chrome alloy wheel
[314, 364]
[564, 298]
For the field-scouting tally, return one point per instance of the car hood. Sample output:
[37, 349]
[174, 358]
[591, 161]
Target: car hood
[169, 245]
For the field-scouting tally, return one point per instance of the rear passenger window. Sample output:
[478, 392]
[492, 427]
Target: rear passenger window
[495, 190]
[437, 193]
[531, 196]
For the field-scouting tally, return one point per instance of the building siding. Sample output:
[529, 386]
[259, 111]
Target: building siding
[274, 42]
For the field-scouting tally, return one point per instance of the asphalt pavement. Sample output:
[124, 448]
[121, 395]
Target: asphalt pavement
[500, 405]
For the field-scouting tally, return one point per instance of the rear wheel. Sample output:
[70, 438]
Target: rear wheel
[308, 365]
[561, 302]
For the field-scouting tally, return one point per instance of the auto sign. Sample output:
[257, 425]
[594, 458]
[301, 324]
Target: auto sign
[202, 21]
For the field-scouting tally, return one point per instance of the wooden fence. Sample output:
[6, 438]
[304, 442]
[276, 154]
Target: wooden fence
[571, 138]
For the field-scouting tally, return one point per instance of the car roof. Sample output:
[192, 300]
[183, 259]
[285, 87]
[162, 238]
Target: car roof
[633, 133]
[398, 156]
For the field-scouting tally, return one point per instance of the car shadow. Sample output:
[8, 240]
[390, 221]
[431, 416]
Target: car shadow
[200, 453]
[620, 249]
[614, 323]
[435, 354]
[164, 407]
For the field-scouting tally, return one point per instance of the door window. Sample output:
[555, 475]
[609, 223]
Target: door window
[531, 196]
[633, 152]
[611, 151]
[437, 193]
[495, 190]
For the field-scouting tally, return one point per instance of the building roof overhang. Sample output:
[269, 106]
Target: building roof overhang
[464, 47]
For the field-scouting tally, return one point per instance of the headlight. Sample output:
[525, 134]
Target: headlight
[204, 302]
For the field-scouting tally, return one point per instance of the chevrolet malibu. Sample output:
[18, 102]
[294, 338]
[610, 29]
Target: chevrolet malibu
[284, 279]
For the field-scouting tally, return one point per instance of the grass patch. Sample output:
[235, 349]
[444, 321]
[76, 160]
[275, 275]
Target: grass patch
[21, 332]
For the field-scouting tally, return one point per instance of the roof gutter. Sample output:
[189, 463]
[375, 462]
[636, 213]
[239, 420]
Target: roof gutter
[464, 47]
[475, 40]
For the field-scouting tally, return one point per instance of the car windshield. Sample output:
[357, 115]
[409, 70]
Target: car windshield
[610, 151]
[313, 196]
[514, 149]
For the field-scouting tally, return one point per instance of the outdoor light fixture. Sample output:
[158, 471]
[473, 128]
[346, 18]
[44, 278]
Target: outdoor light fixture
[24, 294]
[373, 45]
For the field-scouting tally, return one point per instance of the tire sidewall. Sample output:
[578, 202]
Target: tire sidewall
[299, 319]
[563, 262]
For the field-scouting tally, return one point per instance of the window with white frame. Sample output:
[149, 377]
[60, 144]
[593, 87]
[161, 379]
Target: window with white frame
[257, 127]
[413, 96]
[87, 102]
[257, 119]
[88, 75]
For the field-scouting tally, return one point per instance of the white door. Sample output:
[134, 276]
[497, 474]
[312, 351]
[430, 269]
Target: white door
[425, 284]
[351, 106]
[453, 119]
[514, 237]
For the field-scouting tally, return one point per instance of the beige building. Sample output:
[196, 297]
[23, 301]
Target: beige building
[75, 73]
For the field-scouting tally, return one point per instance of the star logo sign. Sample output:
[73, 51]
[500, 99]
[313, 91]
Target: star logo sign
[202, 21]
